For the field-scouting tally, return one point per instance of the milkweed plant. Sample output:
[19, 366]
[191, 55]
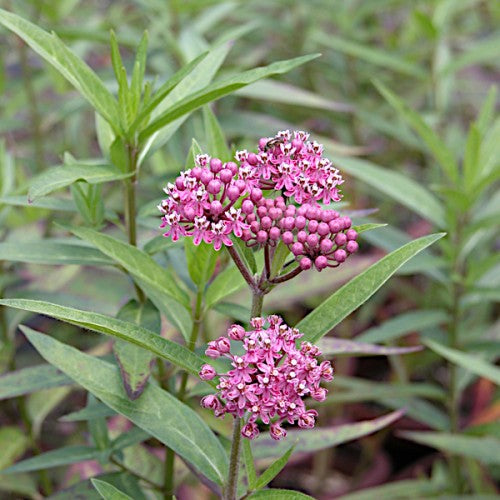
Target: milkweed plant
[222, 398]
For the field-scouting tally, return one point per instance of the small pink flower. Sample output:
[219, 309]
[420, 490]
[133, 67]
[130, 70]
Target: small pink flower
[207, 372]
[308, 419]
[236, 332]
[277, 432]
[250, 431]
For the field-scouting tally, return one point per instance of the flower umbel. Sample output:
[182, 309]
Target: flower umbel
[270, 380]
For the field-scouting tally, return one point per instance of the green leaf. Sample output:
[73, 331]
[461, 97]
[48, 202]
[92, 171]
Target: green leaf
[171, 351]
[76, 71]
[167, 87]
[467, 361]
[41, 403]
[108, 491]
[349, 297]
[370, 54]
[216, 141]
[65, 175]
[157, 411]
[276, 91]
[201, 260]
[135, 362]
[437, 147]
[53, 253]
[407, 489]
[273, 470]
[334, 346]
[225, 283]
[55, 458]
[22, 484]
[200, 75]
[362, 228]
[135, 261]
[403, 324]
[279, 494]
[97, 410]
[484, 449]
[280, 254]
[218, 90]
[13, 443]
[316, 439]
[397, 185]
[32, 379]
[46, 203]
[246, 450]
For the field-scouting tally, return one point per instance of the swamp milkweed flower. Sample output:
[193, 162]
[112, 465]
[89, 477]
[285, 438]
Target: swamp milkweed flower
[270, 380]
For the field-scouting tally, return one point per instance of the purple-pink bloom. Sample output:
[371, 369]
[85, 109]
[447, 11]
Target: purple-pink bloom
[270, 380]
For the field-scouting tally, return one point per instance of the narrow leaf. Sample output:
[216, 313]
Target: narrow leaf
[467, 361]
[397, 185]
[65, 175]
[278, 494]
[171, 351]
[135, 261]
[436, 146]
[246, 446]
[321, 438]
[333, 346]
[216, 141]
[349, 297]
[218, 90]
[108, 491]
[273, 470]
[52, 252]
[13, 443]
[226, 283]
[484, 449]
[32, 379]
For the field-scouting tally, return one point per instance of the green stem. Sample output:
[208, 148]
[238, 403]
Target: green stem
[124, 468]
[234, 461]
[130, 210]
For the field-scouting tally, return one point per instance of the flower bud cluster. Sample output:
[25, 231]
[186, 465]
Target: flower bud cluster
[270, 380]
[297, 166]
[201, 202]
[318, 237]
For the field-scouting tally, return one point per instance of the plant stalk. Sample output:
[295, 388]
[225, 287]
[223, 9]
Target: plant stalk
[234, 462]
[130, 210]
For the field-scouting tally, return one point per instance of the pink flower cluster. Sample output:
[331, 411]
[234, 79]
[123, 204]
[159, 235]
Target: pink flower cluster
[214, 200]
[201, 202]
[270, 380]
[296, 166]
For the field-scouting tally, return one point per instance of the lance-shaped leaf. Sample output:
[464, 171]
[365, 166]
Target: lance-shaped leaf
[135, 362]
[32, 379]
[279, 494]
[108, 491]
[65, 175]
[273, 470]
[171, 351]
[443, 155]
[485, 449]
[349, 297]
[13, 443]
[332, 346]
[136, 262]
[157, 412]
[52, 253]
[467, 361]
[397, 185]
[311, 440]
[220, 89]
[71, 67]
